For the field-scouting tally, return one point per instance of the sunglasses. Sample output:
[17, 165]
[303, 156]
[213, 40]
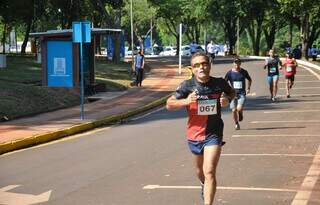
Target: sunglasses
[199, 65]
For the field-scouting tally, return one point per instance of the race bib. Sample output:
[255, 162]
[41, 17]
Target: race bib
[273, 69]
[237, 84]
[207, 107]
[289, 69]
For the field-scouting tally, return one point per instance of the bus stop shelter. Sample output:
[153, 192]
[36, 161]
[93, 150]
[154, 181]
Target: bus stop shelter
[60, 57]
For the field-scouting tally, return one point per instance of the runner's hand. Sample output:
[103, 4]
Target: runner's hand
[192, 97]
[224, 100]
[248, 90]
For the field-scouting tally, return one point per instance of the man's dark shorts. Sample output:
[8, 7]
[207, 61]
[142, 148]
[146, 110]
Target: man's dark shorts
[197, 147]
[290, 77]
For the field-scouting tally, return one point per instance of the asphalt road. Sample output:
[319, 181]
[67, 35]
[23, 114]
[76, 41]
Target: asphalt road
[273, 159]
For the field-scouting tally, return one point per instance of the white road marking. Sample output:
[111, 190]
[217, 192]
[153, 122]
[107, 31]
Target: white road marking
[147, 114]
[301, 102]
[300, 95]
[303, 81]
[311, 71]
[220, 188]
[301, 88]
[286, 121]
[290, 111]
[309, 182]
[276, 135]
[270, 155]
[299, 75]
[11, 198]
[252, 94]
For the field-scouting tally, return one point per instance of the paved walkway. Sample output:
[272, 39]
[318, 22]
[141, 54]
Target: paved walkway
[159, 84]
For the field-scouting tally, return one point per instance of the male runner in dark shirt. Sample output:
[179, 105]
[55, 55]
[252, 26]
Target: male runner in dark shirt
[203, 96]
[237, 78]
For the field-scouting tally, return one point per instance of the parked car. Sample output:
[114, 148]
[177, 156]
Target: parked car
[157, 50]
[148, 51]
[168, 51]
[200, 49]
[185, 51]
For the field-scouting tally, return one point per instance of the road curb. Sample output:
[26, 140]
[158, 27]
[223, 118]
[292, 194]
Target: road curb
[43, 138]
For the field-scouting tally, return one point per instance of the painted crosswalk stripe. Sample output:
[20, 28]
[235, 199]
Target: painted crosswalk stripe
[301, 88]
[269, 155]
[220, 188]
[303, 81]
[286, 121]
[277, 135]
[290, 111]
[309, 182]
[300, 95]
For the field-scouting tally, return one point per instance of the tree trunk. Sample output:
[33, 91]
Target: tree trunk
[117, 39]
[304, 30]
[270, 36]
[254, 33]
[26, 37]
[177, 44]
[3, 40]
[290, 34]
[230, 30]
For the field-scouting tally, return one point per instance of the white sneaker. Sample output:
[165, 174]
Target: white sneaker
[237, 126]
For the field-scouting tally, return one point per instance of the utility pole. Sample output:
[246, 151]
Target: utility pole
[205, 38]
[238, 33]
[151, 36]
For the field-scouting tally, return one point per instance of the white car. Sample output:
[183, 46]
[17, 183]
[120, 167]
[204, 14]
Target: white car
[168, 51]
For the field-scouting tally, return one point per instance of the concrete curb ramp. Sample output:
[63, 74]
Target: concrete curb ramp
[43, 138]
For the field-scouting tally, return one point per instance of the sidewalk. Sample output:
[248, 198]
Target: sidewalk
[158, 85]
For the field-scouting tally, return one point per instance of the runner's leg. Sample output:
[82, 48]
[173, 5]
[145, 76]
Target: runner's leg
[288, 86]
[211, 157]
[275, 85]
[270, 82]
[235, 115]
[198, 159]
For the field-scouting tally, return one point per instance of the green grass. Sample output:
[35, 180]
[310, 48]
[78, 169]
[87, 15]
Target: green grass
[21, 70]
[116, 77]
[21, 93]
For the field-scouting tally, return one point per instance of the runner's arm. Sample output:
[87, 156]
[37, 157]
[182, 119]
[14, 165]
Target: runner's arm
[228, 91]
[248, 77]
[174, 104]
[265, 64]
[142, 64]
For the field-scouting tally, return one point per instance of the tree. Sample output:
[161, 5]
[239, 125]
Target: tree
[226, 13]
[306, 15]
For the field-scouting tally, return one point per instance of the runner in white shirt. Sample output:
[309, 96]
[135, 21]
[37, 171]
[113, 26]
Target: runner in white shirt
[211, 51]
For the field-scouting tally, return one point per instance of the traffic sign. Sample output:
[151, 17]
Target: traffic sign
[81, 32]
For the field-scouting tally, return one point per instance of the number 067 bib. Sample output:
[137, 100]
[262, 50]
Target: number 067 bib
[207, 107]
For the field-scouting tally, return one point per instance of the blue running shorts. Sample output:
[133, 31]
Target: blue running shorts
[271, 78]
[197, 147]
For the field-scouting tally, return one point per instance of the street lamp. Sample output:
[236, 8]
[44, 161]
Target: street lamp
[131, 19]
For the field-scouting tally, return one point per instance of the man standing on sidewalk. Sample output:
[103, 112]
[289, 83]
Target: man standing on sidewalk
[203, 96]
[237, 78]
[139, 67]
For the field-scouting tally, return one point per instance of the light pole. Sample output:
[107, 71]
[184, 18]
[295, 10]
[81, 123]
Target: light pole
[131, 19]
